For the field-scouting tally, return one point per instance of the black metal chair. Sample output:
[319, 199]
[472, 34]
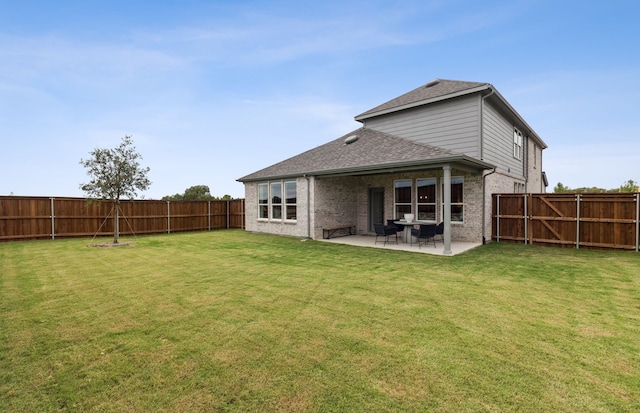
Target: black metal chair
[440, 231]
[426, 233]
[385, 231]
[391, 223]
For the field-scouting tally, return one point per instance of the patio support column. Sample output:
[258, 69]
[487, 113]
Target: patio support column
[446, 186]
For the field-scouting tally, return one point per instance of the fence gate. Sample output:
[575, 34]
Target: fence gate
[603, 221]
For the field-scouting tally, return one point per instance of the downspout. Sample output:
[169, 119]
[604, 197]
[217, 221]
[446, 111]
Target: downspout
[484, 190]
[525, 163]
[484, 205]
[308, 207]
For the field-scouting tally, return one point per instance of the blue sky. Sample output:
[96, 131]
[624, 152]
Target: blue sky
[213, 90]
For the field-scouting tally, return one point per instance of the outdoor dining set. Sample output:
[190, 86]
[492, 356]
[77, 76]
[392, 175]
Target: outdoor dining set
[423, 232]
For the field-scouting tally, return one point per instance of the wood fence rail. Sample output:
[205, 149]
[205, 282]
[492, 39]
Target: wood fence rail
[51, 217]
[602, 221]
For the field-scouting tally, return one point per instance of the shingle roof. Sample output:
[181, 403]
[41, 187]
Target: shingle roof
[437, 88]
[373, 150]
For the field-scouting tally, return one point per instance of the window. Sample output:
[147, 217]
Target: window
[290, 200]
[517, 144]
[457, 199]
[426, 199]
[263, 201]
[276, 200]
[402, 198]
[273, 204]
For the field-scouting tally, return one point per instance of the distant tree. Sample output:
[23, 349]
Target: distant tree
[115, 174]
[629, 186]
[560, 188]
[196, 193]
[176, 197]
[589, 190]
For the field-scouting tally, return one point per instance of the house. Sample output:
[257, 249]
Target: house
[438, 151]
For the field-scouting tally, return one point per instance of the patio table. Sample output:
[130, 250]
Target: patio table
[406, 236]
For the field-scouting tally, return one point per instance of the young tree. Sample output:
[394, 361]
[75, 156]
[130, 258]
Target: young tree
[115, 174]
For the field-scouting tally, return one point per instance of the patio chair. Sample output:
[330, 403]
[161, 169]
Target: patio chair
[391, 223]
[385, 232]
[440, 231]
[426, 233]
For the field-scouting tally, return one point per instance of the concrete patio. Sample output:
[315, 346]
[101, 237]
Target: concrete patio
[457, 247]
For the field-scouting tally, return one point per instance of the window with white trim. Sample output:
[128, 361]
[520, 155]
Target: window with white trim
[517, 144]
[402, 198]
[457, 199]
[263, 201]
[426, 199]
[278, 200]
[291, 200]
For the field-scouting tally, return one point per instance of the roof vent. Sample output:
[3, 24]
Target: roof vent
[350, 139]
[432, 83]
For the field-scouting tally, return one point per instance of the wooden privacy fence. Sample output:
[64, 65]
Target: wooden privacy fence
[603, 221]
[49, 217]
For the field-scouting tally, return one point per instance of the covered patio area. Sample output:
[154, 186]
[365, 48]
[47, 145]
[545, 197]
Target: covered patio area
[457, 247]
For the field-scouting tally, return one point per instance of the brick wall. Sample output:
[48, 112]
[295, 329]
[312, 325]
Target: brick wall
[345, 201]
[299, 228]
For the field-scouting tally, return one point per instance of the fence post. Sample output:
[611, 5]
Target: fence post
[577, 221]
[53, 220]
[168, 218]
[526, 224]
[637, 220]
[228, 214]
[498, 218]
[209, 215]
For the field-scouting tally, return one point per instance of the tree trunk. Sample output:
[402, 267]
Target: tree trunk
[116, 222]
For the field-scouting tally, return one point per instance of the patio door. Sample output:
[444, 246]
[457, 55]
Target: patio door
[376, 207]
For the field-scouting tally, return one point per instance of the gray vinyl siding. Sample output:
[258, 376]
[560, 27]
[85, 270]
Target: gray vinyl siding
[452, 124]
[498, 142]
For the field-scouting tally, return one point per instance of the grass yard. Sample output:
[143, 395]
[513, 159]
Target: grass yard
[234, 322]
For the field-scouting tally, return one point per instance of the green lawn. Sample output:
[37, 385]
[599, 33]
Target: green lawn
[231, 321]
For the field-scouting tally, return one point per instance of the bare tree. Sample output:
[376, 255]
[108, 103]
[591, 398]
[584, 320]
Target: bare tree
[115, 174]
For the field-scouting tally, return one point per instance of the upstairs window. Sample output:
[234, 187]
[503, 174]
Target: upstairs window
[517, 144]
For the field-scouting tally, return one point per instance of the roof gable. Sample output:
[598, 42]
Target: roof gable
[435, 90]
